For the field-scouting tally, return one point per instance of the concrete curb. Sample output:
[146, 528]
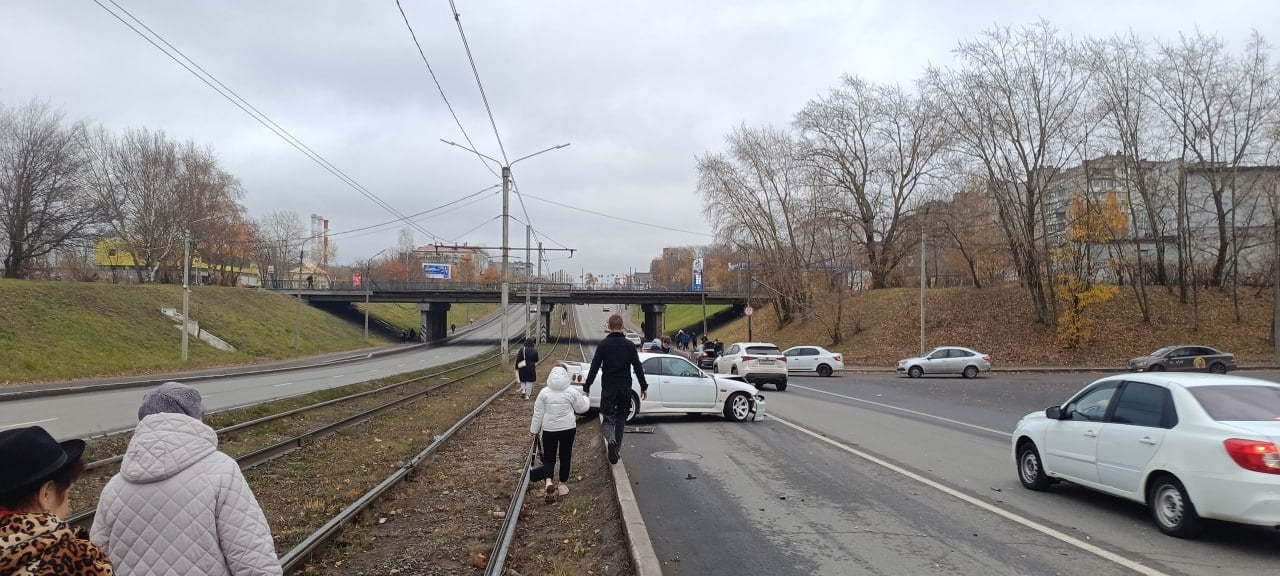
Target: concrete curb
[157, 380]
[643, 557]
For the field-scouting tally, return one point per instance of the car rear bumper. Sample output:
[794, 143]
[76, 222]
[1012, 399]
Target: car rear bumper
[764, 377]
[1246, 498]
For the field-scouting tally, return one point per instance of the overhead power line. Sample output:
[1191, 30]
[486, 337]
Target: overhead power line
[457, 18]
[244, 105]
[440, 88]
[610, 216]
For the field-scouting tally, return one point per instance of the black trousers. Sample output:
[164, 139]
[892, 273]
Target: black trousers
[614, 409]
[553, 443]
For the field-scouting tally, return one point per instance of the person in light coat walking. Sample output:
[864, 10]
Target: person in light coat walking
[178, 505]
[555, 416]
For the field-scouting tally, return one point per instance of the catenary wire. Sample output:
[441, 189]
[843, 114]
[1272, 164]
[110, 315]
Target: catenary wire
[603, 215]
[440, 89]
[248, 108]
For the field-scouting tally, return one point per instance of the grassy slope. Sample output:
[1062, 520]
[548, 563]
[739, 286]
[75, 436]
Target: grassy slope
[63, 330]
[1000, 321]
[681, 316]
[405, 316]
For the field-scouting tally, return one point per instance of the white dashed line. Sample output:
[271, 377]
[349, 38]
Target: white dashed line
[24, 424]
[907, 410]
[285, 384]
[1032, 524]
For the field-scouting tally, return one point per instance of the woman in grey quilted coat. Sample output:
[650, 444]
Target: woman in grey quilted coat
[178, 505]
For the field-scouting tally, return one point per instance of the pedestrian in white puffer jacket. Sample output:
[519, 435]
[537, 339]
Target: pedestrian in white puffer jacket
[555, 415]
[178, 505]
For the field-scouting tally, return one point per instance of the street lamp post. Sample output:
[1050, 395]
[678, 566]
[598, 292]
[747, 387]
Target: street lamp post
[367, 291]
[506, 215]
[186, 284]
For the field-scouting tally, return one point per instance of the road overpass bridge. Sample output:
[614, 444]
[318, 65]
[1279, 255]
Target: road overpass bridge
[435, 298]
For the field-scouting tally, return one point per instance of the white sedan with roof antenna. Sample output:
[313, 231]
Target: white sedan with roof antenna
[813, 359]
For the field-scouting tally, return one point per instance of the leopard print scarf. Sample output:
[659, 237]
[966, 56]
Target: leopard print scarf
[41, 545]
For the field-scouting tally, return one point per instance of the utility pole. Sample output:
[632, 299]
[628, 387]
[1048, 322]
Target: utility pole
[297, 308]
[506, 206]
[922, 284]
[186, 289]
[528, 276]
[540, 327]
[749, 337]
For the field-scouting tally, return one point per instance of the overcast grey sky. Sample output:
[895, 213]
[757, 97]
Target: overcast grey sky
[639, 88]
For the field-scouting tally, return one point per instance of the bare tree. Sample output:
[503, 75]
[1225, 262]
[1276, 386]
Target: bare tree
[1219, 107]
[43, 203]
[759, 195]
[1012, 105]
[281, 235]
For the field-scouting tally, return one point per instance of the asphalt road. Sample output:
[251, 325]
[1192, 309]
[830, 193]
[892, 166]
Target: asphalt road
[898, 476]
[93, 413]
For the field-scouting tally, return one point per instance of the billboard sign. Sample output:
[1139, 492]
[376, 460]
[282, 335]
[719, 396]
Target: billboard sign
[697, 275]
[438, 271]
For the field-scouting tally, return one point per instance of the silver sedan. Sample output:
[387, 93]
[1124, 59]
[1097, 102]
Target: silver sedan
[946, 360]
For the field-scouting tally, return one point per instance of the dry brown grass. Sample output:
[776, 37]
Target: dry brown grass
[1000, 321]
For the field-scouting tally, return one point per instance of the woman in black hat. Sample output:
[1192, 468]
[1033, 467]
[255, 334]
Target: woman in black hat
[35, 495]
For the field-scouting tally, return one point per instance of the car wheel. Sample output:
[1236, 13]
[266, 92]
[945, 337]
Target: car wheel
[1156, 368]
[781, 385]
[824, 370]
[737, 407]
[1171, 508]
[1030, 470]
[970, 372]
[635, 408]
[1218, 368]
[915, 372]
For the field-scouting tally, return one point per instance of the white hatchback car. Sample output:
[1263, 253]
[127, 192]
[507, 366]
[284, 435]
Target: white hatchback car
[676, 386]
[759, 363]
[813, 359]
[947, 360]
[1189, 446]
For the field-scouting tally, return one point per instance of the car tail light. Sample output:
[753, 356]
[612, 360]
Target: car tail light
[836, 357]
[745, 358]
[782, 358]
[1254, 455]
[986, 357]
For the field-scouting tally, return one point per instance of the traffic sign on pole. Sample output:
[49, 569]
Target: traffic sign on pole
[749, 311]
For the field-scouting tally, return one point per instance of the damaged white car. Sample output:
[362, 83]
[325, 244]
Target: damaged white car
[676, 386]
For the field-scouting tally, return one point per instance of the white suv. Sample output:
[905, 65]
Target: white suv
[758, 363]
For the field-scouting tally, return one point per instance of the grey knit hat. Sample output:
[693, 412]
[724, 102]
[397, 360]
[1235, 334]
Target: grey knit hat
[172, 397]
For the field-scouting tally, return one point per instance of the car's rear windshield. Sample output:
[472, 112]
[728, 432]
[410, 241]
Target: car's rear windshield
[1239, 403]
[764, 350]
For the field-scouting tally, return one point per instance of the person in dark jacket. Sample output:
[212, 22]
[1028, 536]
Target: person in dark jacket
[614, 357]
[526, 367]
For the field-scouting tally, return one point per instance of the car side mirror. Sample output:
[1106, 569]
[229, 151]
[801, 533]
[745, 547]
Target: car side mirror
[1053, 413]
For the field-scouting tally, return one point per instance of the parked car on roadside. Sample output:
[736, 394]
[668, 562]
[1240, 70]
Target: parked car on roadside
[946, 360]
[759, 363]
[1187, 358]
[1188, 446]
[676, 386]
[813, 359]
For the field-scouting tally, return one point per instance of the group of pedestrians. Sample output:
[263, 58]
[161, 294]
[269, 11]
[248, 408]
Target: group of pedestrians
[557, 405]
[177, 506]
[685, 340]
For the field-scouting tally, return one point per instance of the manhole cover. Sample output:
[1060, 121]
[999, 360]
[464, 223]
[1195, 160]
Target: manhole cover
[677, 456]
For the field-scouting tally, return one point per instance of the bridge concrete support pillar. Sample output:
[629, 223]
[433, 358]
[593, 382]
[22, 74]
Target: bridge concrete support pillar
[545, 315]
[435, 320]
[654, 320]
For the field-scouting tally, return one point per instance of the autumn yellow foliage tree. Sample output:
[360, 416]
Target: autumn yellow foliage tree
[1091, 225]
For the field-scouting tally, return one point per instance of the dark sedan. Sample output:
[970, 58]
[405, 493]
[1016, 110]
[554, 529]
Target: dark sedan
[1185, 359]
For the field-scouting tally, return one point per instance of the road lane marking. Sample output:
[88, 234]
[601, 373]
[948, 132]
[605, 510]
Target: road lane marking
[285, 384]
[23, 424]
[338, 376]
[399, 365]
[907, 410]
[1029, 523]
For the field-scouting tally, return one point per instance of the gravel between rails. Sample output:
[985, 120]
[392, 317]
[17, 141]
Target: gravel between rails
[445, 520]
